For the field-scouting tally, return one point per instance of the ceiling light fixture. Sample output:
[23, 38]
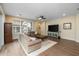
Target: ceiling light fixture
[41, 18]
[64, 14]
[19, 15]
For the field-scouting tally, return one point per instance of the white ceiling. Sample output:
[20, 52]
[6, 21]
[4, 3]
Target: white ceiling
[33, 10]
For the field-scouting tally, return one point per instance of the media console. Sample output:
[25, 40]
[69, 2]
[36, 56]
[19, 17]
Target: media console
[53, 31]
[53, 34]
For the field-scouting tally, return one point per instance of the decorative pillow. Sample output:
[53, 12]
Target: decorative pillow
[32, 38]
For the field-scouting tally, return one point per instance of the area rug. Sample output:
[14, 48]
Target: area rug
[45, 45]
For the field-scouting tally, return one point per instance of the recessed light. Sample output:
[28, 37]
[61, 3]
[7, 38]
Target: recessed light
[64, 14]
[19, 15]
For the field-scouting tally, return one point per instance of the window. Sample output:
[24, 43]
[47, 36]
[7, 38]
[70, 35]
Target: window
[16, 29]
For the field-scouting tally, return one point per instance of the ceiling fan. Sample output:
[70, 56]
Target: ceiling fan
[42, 18]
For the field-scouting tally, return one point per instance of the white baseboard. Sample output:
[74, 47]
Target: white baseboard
[68, 38]
[71, 39]
[77, 41]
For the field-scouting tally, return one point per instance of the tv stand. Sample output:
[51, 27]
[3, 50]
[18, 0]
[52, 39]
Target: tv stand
[54, 34]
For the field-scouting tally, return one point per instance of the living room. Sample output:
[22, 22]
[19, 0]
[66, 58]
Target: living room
[37, 29]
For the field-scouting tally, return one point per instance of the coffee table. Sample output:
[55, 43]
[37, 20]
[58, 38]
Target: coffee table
[42, 37]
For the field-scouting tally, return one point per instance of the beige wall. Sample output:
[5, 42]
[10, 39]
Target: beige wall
[72, 34]
[43, 28]
[9, 19]
[77, 28]
[42, 25]
[37, 26]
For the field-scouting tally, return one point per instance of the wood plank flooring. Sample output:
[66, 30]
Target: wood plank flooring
[63, 48]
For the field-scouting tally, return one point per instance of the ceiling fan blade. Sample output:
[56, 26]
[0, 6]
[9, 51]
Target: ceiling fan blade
[42, 17]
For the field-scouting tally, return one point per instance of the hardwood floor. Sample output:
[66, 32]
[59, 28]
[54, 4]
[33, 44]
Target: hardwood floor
[63, 48]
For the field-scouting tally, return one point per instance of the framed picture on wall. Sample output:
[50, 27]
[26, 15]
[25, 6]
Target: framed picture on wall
[67, 26]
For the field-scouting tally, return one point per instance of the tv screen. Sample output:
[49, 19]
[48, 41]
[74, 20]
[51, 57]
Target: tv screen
[53, 28]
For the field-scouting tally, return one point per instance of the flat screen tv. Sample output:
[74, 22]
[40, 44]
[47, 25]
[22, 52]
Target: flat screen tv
[53, 28]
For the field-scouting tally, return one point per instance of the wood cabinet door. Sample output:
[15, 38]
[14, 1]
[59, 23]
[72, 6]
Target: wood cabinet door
[7, 33]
